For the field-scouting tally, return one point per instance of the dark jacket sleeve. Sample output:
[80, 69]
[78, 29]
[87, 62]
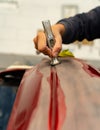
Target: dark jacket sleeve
[82, 26]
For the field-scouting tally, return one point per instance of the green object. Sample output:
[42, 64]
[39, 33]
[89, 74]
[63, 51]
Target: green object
[66, 53]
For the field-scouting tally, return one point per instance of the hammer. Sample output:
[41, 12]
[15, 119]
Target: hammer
[50, 40]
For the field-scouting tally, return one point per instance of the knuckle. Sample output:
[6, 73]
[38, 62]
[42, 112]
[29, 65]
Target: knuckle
[42, 49]
[58, 48]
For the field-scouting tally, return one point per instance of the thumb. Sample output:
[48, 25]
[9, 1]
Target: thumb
[58, 46]
[56, 49]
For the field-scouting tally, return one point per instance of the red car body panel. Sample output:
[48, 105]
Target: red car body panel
[61, 97]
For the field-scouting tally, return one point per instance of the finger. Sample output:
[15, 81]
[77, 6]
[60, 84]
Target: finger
[48, 52]
[58, 46]
[40, 41]
[35, 42]
[41, 38]
[41, 44]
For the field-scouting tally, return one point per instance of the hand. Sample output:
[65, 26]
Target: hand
[41, 45]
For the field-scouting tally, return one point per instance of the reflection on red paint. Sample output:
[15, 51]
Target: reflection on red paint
[53, 120]
[57, 112]
[26, 101]
[91, 71]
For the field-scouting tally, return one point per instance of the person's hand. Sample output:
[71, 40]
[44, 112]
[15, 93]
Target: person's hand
[41, 45]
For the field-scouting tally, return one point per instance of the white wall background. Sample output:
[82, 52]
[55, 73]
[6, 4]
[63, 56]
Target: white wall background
[20, 22]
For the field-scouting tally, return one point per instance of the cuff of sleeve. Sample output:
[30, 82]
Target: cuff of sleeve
[66, 38]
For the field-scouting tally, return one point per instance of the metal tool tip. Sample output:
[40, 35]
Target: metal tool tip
[55, 61]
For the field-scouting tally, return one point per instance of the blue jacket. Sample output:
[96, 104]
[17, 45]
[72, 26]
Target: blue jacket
[82, 26]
